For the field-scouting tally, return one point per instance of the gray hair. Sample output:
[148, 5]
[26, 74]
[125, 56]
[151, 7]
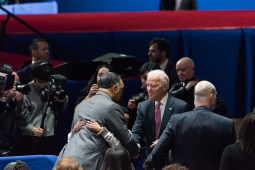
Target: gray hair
[164, 80]
[108, 80]
[20, 165]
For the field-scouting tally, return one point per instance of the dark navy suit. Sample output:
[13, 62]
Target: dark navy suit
[144, 126]
[196, 139]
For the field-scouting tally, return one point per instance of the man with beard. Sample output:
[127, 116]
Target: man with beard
[159, 50]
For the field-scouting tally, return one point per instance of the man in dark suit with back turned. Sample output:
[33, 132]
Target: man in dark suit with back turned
[196, 138]
[147, 124]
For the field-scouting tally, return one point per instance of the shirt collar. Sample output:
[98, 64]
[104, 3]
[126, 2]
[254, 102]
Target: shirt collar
[163, 65]
[163, 100]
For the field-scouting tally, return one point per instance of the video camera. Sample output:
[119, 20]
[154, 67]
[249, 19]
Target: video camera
[54, 89]
[6, 77]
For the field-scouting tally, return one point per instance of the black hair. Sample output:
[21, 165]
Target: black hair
[116, 158]
[246, 137]
[41, 70]
[148, 67]
[108, 80]
[34, 43]
[93, 79]
[163, 44]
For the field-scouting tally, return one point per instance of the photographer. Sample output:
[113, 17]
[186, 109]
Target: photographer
[37, 118]
[8, 100]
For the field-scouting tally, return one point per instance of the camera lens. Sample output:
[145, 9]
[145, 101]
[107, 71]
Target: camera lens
[24, 89]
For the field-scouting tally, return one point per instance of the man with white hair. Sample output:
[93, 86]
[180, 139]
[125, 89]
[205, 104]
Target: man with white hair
[196, 138]
[154, 113]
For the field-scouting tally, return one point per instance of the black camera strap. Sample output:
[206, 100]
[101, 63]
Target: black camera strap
[44, 114]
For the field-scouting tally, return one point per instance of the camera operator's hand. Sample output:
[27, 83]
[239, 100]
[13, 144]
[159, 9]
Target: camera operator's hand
[18, 96]
[132, 104]
[37, 131]
[15, 94]
[92, 91]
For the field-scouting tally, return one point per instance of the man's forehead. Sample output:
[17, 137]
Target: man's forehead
[154, 46]
[42, 44]
[153, 79]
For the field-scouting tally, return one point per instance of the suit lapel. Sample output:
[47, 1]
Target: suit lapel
[151, 116]
[169, 109]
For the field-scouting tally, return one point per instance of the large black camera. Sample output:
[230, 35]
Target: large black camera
[23, 88]
[6, 77]
[54, 89]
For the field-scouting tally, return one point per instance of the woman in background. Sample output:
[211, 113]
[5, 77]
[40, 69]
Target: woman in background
[241, 155]
[92, 87]
[116, 158]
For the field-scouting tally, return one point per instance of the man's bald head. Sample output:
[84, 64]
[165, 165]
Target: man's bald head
[187, 60]
[205, 94]
[185, 68]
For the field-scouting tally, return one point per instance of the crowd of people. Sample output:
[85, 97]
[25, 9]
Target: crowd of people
[179, 119]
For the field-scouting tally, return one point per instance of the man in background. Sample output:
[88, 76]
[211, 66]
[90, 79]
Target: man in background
[38, 110]
[39, 49]
[178, 5]
[159, 51]
[184, 89]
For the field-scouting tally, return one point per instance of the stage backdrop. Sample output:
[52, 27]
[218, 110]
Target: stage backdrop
[221, 49]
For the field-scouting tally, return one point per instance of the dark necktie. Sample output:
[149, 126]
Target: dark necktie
[157, 120]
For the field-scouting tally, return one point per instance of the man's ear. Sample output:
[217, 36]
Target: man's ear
[115, 89]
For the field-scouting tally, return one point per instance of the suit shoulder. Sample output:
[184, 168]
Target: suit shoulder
[222, 118]
[145, 103]
[176, 100]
